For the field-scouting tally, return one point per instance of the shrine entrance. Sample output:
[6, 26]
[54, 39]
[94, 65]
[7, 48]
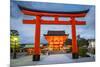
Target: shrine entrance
[56, 40]
[56, 47]
[38, 21]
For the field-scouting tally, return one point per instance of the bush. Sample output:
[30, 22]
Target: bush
[93, 51]
[83, 52]
[69, 50]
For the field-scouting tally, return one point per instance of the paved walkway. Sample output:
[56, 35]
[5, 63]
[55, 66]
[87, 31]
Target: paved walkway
[49, 59]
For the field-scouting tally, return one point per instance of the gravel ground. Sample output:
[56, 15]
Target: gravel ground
[49, 59]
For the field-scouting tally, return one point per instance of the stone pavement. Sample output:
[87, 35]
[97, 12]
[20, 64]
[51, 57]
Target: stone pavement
[49, 59]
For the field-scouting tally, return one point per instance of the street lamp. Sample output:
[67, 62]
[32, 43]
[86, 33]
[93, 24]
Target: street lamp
[15, 41]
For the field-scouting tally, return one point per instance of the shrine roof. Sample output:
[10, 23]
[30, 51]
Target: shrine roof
[56, 33]
[57, 12]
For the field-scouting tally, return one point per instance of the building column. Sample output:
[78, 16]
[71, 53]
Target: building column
[36, 55]
[74, 40]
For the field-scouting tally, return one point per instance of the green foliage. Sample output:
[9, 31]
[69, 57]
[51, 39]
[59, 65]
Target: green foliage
[69, 50]
[83, 42]
[93, 51]
[14, 33]
[68, 42]
[14, 43]
[83, 51]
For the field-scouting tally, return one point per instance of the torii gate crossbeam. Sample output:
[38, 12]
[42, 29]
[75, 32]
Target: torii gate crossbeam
[38, 21]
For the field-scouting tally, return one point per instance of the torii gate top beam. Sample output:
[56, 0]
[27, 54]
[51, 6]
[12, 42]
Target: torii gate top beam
[34, 12]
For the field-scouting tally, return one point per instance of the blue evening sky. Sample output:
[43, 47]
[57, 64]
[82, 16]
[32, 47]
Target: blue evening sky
[27, 32]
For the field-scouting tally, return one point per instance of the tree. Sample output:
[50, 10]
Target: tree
[14, 40]
[83, 51]
[83, 42]
[68, 42]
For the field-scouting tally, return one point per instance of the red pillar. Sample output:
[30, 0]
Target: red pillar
[36, 56]
[56, 19]
[74, 40]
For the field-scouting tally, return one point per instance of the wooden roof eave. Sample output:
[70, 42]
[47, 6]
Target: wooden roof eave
[34, 12]
[56, 35]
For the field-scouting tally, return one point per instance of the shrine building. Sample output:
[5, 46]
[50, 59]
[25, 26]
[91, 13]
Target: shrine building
[56, 40]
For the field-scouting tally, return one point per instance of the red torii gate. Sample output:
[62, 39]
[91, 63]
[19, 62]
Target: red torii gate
[38, 21]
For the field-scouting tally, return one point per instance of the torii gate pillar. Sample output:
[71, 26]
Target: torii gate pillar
[74, 40]
[36, 55]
